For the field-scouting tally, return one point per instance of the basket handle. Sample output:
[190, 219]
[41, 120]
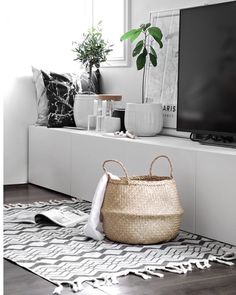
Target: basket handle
[154, 160]
[121, 165]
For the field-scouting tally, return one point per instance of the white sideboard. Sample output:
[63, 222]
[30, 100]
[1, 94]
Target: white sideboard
[70, 161]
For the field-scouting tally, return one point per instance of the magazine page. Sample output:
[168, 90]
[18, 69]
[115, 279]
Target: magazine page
[63, 216]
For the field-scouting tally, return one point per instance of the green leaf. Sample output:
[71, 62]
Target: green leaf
[135, 35]
[156, 33]
[132, 35]
[128, 34]
[138, 48]
[145, 51]
[153, 59]
[145, 26]
[141, 61]
[153, 51]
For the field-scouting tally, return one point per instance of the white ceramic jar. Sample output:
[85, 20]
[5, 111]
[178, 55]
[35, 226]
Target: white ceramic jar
[144, 119]
[111, 124]
[83, 107]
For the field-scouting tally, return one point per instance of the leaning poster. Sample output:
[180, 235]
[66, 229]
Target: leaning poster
[161, 81]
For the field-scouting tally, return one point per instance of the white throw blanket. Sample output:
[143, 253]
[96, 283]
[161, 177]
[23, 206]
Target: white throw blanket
[93, 228]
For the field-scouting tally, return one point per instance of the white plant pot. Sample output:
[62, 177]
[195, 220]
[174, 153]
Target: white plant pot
[144, 119]
[83, 107]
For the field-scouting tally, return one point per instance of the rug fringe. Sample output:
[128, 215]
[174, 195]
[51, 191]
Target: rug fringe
[77, 286]
[114, 280]
[147, 273]
[153, 273]
[230, 253]
[142, 274]
[223, 261]
[172, 268]
[58, 290]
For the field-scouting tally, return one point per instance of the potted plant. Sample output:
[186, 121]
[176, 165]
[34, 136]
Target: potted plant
[91, 52]
[144, 119]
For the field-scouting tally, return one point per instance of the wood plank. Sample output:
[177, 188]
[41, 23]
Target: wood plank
[28, 193]
[219, 279]
[18, 281]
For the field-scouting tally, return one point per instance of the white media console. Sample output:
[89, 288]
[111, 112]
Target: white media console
[70, 161]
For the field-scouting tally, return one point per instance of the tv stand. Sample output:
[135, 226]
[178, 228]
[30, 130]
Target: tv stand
[70, 161]
[209, 139]
[221, 143]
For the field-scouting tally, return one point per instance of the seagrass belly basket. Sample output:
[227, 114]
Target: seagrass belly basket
[141, 209]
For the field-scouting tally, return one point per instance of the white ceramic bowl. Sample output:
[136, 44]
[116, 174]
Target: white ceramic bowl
[144, 119]
[111, 124]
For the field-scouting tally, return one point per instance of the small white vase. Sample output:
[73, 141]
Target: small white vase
[83, 107]
[144, 119]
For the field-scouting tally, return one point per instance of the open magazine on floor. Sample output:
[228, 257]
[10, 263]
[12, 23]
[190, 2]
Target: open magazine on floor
[65, 216]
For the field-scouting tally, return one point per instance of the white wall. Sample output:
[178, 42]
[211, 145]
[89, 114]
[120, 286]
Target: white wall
[127, 81]
[33, 35]
[38, 33]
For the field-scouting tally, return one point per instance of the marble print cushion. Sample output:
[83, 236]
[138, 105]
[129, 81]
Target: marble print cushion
[49, 85]
[61, 91]
[41, 97]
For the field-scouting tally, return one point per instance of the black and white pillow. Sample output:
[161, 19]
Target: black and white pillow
[61, 91]
[51, 87]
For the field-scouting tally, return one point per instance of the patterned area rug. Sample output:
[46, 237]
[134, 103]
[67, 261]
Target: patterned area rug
[64, 256]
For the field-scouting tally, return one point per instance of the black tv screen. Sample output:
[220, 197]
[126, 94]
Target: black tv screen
[207, 70]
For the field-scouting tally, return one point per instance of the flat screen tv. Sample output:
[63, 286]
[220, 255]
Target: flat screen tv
[207, 70]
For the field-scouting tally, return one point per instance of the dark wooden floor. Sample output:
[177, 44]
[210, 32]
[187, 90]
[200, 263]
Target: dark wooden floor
[219, 279]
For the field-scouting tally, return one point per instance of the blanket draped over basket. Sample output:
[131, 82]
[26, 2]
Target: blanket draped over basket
[141, 209]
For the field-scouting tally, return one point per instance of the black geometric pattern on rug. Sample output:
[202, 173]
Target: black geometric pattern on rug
[66, 256]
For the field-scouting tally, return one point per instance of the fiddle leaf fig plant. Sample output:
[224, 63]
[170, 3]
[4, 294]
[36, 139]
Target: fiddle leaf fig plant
[92, 51]
[143, 49]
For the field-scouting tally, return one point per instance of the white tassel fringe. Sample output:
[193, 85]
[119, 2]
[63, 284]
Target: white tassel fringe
[58, 290]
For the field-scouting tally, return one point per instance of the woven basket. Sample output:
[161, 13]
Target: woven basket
[141, 209]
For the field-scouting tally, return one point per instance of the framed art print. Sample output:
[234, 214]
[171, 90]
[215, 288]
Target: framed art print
[161, 81]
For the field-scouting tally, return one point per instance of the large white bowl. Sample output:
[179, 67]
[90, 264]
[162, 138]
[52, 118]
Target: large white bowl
[144, 119]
